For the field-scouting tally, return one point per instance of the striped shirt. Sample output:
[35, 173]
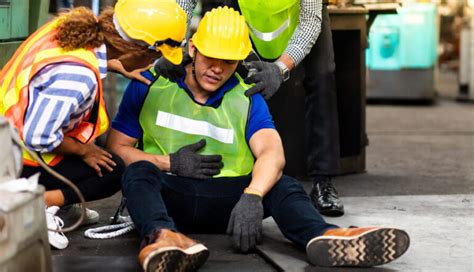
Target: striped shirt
[305, 35]
[61, 95]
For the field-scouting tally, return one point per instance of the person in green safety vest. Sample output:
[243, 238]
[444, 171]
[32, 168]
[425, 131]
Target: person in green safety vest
[285, 34]
[203, 157]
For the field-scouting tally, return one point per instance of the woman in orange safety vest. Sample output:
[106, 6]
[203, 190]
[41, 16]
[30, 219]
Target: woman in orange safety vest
[51, 90]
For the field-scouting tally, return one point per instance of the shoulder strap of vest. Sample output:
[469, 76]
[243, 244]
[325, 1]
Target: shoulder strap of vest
[242, 82]
[152, 71]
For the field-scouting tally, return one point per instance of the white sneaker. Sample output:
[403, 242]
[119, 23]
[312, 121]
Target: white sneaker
[74, 211]
[56, 239]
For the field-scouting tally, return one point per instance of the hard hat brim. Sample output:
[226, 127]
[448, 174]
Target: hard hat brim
[173, 54]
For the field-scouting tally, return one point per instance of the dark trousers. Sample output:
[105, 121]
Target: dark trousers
[156, 200]
[83, 176]
[322, 127]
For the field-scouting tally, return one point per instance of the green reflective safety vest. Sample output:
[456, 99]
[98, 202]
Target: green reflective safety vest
[271, 24]
[171, 119]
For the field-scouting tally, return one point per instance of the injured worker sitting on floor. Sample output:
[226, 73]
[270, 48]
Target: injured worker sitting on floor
[204, 158]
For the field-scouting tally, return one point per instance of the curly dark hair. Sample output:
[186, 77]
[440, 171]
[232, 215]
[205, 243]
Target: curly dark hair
[81, 28]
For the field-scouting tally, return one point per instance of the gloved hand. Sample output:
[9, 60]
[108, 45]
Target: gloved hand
[186, 162]
[245, 223]
[266, 76]
[171, 71]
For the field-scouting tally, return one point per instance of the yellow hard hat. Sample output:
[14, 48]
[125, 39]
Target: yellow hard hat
[159, 23]
[223, 34]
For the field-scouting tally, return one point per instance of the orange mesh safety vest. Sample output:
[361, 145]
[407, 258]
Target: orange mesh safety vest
[38, 51]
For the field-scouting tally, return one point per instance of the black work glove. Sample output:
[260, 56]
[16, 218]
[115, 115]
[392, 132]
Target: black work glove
[187, 162]
[245, 223]
[266, 76]
[165, 68]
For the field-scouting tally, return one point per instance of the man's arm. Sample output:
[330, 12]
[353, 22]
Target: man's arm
[267, 148]
[245, 223]
[305, 35]
[268, 76]
[124, 146]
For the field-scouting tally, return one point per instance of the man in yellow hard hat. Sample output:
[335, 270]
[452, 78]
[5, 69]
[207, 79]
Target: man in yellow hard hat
[51, 90]
[286, 34]
[210, 161]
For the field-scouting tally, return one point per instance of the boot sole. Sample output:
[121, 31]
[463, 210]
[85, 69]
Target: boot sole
[176, 259]
[376, 247]
[332, 212]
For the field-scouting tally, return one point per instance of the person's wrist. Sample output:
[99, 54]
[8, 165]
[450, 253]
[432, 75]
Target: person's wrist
[252, 191]
[284, 71]
[173, 163]
[162, 161]
[82, 149]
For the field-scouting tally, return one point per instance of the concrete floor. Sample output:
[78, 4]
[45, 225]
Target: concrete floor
[420, 177]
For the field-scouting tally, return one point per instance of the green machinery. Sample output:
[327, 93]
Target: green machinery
[402, 54]
[18, 19]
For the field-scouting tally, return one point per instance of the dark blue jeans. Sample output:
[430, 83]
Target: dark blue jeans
[156, 200]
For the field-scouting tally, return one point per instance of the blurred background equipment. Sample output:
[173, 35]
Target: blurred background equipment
[23, 236]
[15, 26]
[466, 61]
[402, 53]
[10, 157]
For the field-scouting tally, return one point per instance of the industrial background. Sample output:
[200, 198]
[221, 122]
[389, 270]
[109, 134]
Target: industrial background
[405, 86]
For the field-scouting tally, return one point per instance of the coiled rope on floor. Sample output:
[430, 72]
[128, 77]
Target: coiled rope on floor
[120, 225]
[109, 231]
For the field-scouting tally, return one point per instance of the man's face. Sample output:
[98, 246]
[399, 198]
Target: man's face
[211, 73]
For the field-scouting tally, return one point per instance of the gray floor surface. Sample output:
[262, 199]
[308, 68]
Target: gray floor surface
[420, 177]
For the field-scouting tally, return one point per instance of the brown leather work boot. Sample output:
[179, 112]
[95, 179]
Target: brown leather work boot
[363, 247]
[172, 251]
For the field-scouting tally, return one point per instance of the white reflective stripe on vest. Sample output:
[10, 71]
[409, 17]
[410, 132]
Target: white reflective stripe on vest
[190, 126]
[270, 36]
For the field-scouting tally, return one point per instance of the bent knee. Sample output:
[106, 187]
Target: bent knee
[140, 170]
[119, 167]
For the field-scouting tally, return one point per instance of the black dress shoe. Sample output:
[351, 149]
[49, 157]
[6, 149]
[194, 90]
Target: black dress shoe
[325, 199]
